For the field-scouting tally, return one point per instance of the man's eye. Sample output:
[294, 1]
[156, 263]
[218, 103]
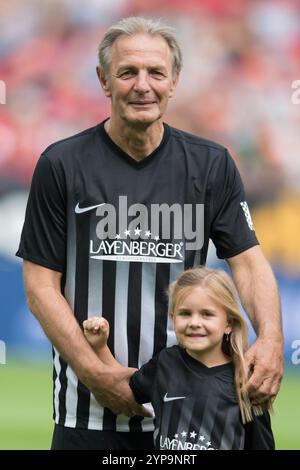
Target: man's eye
[157, 74]
[126, 74]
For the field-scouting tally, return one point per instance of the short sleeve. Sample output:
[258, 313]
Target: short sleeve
[142, 381]
[232, 230]
[43, 239]
[258, 433]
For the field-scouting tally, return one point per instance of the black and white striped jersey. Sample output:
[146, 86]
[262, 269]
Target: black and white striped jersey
[196, 407]
[120, 231]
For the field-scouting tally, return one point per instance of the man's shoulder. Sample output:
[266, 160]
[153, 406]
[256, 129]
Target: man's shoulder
[70, 144]
[196, 140]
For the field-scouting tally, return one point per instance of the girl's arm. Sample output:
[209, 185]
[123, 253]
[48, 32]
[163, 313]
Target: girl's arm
[96, 331]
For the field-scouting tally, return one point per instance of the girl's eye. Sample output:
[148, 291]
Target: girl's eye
[207, 314]
[183, 313]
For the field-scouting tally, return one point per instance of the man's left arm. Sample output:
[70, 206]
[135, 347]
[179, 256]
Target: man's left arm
[259, 295]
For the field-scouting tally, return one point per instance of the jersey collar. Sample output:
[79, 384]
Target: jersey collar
[122, 154]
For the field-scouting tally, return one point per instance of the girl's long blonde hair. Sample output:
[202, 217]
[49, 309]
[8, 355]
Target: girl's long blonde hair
[221, 289]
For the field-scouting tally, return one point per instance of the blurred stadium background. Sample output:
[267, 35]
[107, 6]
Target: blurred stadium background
[240, 59]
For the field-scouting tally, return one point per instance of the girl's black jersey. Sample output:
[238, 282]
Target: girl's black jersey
[120, 231]
[196, 407]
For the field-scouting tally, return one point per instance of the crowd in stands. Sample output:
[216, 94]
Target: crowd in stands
[240, 59]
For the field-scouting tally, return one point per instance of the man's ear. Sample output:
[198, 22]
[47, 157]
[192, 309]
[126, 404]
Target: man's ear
[174, 85]
[103, 81]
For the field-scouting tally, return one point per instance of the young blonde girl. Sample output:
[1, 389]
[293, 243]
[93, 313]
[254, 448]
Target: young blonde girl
[198, 388]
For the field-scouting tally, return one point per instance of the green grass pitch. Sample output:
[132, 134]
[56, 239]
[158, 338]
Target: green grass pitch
[26, 408]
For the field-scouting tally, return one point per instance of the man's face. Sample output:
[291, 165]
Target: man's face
[139, 81]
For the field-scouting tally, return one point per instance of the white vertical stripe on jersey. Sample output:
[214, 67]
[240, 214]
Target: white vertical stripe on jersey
[228, 437]
[57, 385]
[208, 420]
[71, 398]
[147, 323]
[185, 419]
[175, 270]
[96, 415]
[120, 326]
[95, 288]
[95, 309]
[147, 313]
[121, 301]
[122, 423]
[71, 262]
[71, 388]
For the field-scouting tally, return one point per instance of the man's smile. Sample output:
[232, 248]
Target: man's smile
[142, 103]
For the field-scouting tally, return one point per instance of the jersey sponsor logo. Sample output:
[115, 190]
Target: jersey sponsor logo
[166, 398]
[138, 251]
[247, 214]
[80, 210]
[184, 440]
[158, 233]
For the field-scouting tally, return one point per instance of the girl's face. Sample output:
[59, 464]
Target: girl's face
[199, 324]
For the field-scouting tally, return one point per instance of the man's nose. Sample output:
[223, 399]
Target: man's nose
[141, 84]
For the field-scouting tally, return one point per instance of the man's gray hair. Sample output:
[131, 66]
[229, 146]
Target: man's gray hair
[138, 25]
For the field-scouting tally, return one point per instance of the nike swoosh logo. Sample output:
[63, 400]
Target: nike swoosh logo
[80, 210]
[166, 398]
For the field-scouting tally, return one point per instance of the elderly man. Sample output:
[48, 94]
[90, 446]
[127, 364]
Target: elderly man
[115, 213]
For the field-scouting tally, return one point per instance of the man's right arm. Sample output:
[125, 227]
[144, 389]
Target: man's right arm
[45, 300]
